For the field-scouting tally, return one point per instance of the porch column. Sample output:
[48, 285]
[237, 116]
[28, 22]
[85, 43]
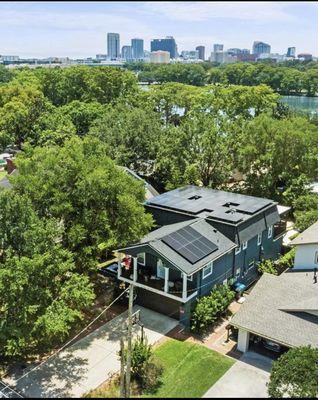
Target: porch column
[184, 287]
[166, 288]
[119, 266]
[135, 269]
[243, 340]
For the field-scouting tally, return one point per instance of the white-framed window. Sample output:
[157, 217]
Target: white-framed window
[238, 249]
[259, 239]
[270, 231]
[251, 264]
[244, 245]
[141, 258]
[316, 257]
[238, 272]
[207, 270]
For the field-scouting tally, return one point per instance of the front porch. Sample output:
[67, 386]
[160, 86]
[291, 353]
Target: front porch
[181, 289]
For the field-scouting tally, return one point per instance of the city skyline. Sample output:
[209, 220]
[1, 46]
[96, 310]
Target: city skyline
[79, 29]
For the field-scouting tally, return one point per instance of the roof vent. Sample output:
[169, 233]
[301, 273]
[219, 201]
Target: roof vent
[230, 205]
[195, 197]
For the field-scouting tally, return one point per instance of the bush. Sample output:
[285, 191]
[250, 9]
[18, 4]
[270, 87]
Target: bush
[267, 266]
[209, 308]
[141, 353]
[287, 260]
[150, 378]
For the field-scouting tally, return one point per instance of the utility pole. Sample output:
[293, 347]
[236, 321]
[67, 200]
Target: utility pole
[129, 339]
[122, 368]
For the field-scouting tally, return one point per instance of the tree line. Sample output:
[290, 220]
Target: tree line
[71, 203]
[299, 78]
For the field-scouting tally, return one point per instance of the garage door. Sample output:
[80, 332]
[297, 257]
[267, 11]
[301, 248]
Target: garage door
[158, 303]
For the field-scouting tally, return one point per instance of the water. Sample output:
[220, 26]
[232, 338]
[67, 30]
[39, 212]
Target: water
[302, 103]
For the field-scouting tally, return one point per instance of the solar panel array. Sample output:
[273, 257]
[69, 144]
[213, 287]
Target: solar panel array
[190, 244]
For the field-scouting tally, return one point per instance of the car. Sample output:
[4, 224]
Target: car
[109, 270]
[273, 346]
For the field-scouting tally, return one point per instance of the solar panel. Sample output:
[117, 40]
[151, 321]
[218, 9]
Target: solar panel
[190, 244]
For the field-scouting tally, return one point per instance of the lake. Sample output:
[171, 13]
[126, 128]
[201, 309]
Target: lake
[302, 103]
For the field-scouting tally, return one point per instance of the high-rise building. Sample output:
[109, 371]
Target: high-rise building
[167, 44]
[137, 49]
[201, 50]
[305, 56]
[113, 45]
[217, 48]
[126, 53]
[261, 48]
[234, 51]
[291, 52]
[160, 57]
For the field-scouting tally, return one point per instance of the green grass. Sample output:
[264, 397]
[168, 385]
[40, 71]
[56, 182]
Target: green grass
[189, 369]
[2, 174]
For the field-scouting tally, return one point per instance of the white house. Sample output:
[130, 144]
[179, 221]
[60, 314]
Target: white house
[306, 245]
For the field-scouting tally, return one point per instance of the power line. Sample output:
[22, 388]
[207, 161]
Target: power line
[70, 341]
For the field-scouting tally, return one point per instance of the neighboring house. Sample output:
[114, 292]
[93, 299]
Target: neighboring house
[205, 237]
[150, 190]
[282, 309]
[306, 244]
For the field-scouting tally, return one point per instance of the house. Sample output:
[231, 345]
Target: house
[149, 189]
[282, 309]
[204, 237]
[306, 244]
[256, 225]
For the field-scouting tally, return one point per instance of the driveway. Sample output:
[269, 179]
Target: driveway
[90, 361]
[246, 378]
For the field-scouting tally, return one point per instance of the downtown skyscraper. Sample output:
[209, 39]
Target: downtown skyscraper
[113, 46]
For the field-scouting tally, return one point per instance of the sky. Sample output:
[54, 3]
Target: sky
[79, 29]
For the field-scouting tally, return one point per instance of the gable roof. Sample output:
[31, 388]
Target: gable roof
[217, 205]
[156, 241]
[278, 308]
[310, 235]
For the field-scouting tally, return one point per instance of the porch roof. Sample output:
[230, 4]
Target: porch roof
[154, 240]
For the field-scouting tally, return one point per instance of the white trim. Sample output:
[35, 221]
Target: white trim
[238, 272]
[151, 289]
[210, 266]
[184, 287]
[190, 278]
[166, 287]
[316, 258]
[245, 245]
[270, 231]
[259, 239]
[144, 258]
[135, 275]
[238, 249]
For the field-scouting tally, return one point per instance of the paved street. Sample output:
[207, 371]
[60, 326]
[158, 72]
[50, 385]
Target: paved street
[246, 378]
[89, 362]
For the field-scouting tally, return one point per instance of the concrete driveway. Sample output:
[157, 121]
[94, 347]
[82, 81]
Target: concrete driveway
[90, 361]
[246, 378]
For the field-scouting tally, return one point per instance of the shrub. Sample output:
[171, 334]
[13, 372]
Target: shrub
[267, 266]
[141, 353]
[287, 260]
[151, 375]
[209, 308]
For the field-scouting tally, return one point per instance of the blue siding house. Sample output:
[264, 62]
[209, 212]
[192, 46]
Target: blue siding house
[203, 237]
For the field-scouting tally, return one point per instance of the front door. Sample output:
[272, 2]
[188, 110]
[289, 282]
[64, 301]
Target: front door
[160, 270]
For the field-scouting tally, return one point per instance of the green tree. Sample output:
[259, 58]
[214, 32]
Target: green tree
[132, 135]
[98, 204]
[295, 374]
[42, 297]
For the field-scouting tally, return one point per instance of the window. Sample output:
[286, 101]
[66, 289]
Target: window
[259, 239]
[141, 258]
[238, 272]
[244, 245]
[207, 270]
[238, 250]
[270, 231]
[251, 264]
[316, 257]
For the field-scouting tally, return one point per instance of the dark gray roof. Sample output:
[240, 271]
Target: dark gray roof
[282, 308]
[214, 204]
[153, 240]
[310, 235]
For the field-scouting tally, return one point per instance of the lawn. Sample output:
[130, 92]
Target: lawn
[190, 369]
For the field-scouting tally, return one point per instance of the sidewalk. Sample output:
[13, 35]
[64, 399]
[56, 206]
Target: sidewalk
[90, 361]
